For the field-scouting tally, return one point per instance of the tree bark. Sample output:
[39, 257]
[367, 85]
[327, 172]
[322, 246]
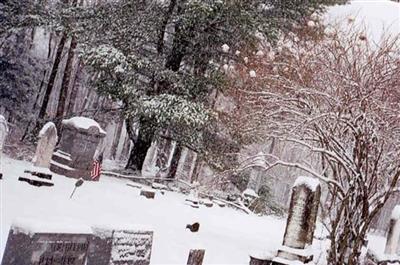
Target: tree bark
[62, 99]
[53, 74]
[141, 144]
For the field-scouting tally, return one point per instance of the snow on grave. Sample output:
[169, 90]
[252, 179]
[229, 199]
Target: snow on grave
[301, 220]
[32, 242]
[148, 193]
[79, 140]
[39, 174]
[128, 245]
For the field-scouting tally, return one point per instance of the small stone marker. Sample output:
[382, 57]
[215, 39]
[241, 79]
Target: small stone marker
[392, 242]
[196, 257]
[301, 220]
[148, 193]
[47, 142]
[193, 227]
[127, 246]
[46, 244]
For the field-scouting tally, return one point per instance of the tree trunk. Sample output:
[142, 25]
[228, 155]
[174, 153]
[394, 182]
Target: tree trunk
[167, 17]
[141, 144]
[53, 74]
[65, 83]
[74, 91]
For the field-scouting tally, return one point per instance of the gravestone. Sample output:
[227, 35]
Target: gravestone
[392, 242]
[79, 140]
[158, 158]
[186, 165]
[46, 244]
[40, 175]
[301, 220]
[196, 257]
[47, 142]
[257, 172]
[120, 246]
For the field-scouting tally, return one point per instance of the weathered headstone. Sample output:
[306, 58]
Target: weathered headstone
[40, 175]
[393, 237]
[47, 142]
[120, 246]
[258, 166]
[186, 165]
[158, 158]
[301, 220]
[3, 135]
[79, 140]
[46, 244]
[196, 257]
[148, 193]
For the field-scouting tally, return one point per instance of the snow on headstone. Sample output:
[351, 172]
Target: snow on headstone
[47, 142]
[128, 245]
[393, 237]
[301, 219]
[186, 165]
[78, 144]
[32, 242]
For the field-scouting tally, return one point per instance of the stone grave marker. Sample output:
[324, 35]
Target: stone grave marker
[196, 257]
[80, 138]
[47, 142]
[46, 244]
[120, 246]
[301, 220]
[186, 165]
[392, 242]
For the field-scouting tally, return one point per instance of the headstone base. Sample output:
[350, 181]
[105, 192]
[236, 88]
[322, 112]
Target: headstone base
[298, 256]
[275, 261]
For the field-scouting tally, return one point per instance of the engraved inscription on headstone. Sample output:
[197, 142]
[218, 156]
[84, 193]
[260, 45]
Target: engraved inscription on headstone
[32, 248]
[120, 247]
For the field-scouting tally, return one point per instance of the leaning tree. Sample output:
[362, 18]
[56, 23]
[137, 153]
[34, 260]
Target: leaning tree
[335, 94]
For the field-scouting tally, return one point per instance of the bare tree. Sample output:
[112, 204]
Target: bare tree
[335, 94]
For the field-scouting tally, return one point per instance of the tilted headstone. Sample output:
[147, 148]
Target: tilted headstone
[186, 165]
[47, 142]
[120, 246]
[196, 257]
[393, 237]
[301, 220]
[46, 244]
[79, 140]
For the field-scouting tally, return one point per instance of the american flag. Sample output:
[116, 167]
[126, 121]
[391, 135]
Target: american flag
[96, 170]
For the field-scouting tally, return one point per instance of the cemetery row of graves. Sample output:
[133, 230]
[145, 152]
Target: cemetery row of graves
[44, 243]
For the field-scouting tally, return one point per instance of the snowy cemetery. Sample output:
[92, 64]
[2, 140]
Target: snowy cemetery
[199, 132]
[120, 219]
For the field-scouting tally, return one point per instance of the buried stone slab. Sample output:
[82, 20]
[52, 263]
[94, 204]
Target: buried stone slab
[148, 193]
[40, 244]
[301, 220]
[122, 246]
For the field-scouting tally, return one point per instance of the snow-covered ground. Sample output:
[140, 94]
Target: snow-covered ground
[228, 236]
